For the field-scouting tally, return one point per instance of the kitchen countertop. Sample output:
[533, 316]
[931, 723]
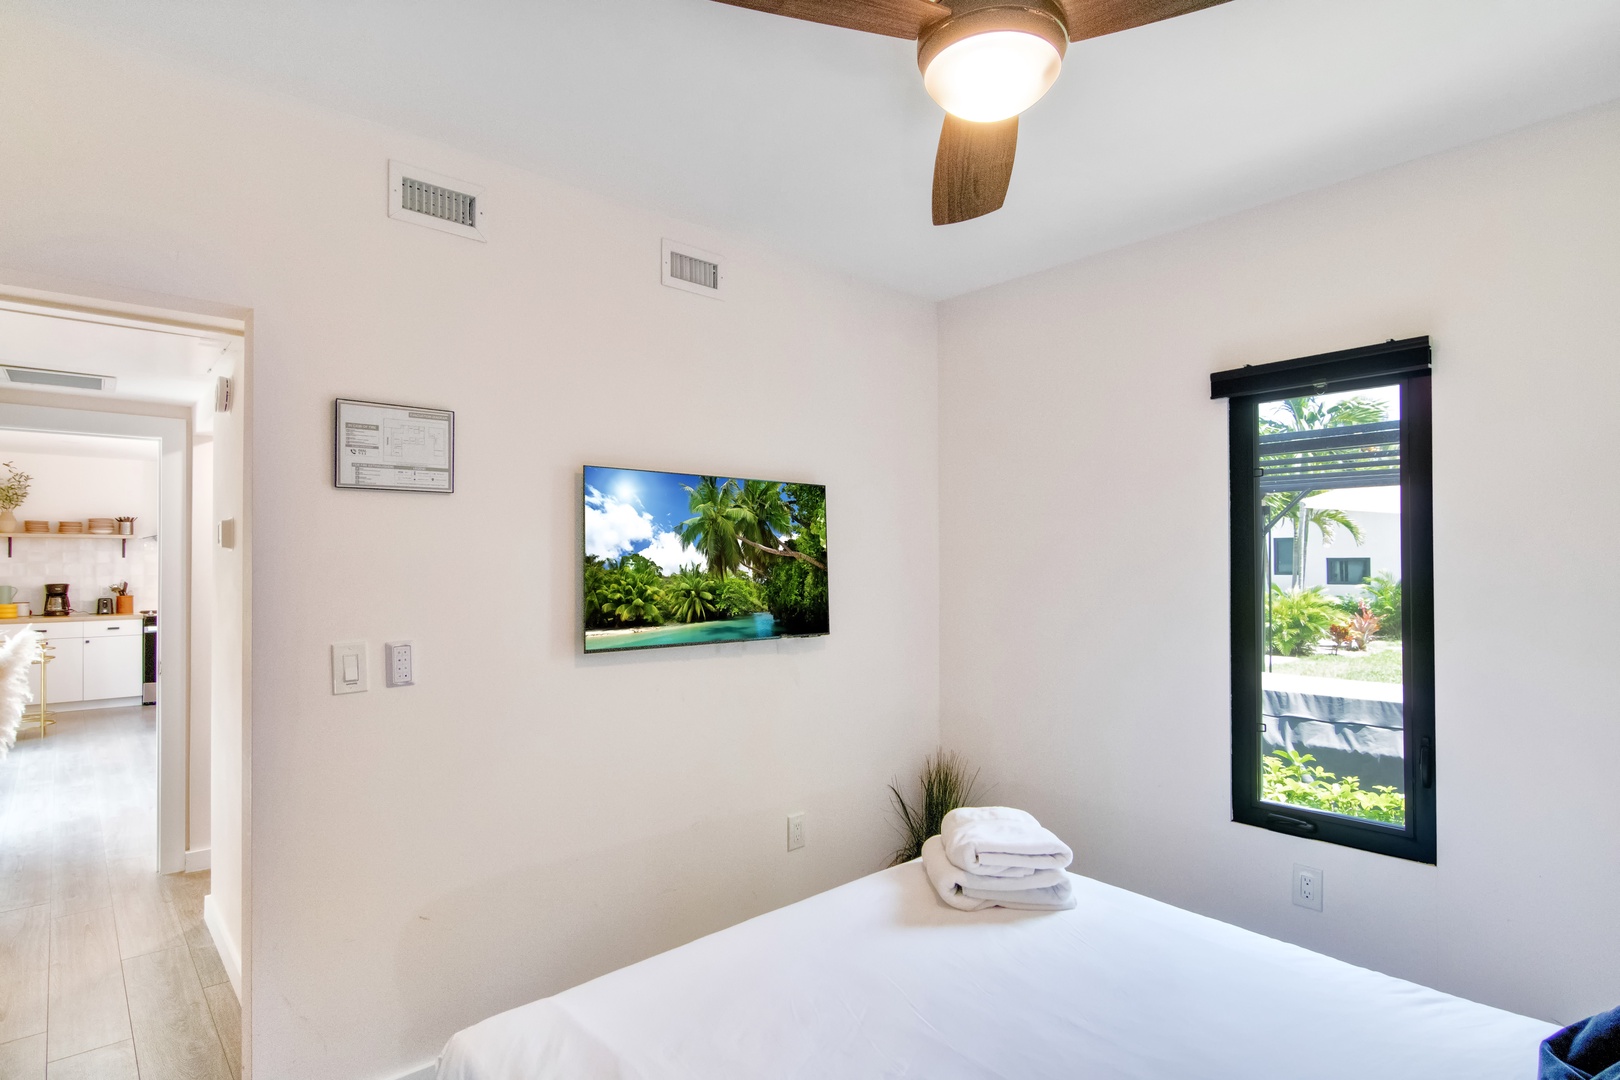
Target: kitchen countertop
[77, 616]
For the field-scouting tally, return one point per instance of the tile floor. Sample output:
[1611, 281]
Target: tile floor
[106, 970]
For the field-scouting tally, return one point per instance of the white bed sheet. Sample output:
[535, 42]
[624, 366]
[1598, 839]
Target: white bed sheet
[878, 978]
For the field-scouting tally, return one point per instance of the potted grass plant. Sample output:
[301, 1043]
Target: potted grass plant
[944, 784]
[13, 490]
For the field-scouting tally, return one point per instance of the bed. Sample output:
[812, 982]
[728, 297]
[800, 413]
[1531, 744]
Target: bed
[878, 978]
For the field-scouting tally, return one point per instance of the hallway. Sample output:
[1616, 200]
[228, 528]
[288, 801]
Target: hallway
[106, 969]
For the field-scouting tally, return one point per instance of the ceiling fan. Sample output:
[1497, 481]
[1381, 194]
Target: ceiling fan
[984, 62]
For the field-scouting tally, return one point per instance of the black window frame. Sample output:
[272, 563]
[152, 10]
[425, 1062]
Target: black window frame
[1407, 363]
[1363, 579]
[1276, 562]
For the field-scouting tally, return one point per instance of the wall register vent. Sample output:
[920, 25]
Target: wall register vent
[435, 201]
[70, 380]
[222, 395]
[693, 270]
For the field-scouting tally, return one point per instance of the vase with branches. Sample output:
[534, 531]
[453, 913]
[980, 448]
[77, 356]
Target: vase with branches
[945, 784]
[13, 490]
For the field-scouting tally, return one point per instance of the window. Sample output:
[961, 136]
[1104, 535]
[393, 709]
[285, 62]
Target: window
[1348, 571]
[1282, 556]
[1333, 680]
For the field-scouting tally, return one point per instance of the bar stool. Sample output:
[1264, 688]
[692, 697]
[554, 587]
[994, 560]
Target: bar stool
[47, 653]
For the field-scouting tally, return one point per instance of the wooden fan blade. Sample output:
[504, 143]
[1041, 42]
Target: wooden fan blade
[972, 168]
[1094, 18]
[891, 18]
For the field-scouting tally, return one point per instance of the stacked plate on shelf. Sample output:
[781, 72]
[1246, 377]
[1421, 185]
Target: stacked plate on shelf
[70, 526]
[36, 526]
[103, 526]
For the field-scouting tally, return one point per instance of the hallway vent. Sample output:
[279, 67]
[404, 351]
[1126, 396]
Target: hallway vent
[693, 270]
[71, 380]
[438, 202]
[222, 395]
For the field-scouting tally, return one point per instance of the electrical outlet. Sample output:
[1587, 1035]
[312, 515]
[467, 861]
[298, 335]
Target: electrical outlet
[398, 664]
[349, 668]
[1308, 887]
[795, 831]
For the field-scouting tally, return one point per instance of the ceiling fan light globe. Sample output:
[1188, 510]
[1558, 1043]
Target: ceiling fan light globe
[992, 76]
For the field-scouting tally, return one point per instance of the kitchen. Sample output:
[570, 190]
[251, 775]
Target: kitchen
[78, 518]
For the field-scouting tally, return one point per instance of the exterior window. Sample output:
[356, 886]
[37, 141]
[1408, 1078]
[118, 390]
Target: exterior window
[1333, 678]
[1350, 571]
[1282, 556]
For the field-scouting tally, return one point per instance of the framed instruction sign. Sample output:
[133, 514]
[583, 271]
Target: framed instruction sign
[393, 447]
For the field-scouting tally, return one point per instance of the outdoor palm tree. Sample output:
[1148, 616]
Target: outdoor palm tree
[715, 524]
[1313, 414]
[767, 520]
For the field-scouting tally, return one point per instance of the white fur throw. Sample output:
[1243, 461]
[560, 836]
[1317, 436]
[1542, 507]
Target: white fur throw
[16, 654]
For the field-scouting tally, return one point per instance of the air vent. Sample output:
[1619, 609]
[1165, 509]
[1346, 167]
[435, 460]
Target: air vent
[71, 380]
[438, 202]
[692, 269]
[222, 395]
[456, 207]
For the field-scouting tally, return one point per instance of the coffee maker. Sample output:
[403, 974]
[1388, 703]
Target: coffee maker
[56, 600]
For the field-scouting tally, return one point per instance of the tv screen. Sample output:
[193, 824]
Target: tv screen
[686, 559]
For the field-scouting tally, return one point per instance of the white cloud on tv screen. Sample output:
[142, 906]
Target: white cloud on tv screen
[612, 527]
[670, 553]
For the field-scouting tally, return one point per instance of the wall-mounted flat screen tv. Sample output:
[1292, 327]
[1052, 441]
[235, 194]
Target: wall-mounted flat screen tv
[687, 559]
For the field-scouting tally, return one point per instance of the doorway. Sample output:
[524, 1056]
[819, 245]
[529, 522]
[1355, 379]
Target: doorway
[122, 818]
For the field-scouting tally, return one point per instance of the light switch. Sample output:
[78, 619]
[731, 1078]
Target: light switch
[349, 668]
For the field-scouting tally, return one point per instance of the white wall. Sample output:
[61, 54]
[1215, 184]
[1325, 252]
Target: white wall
[228, 904]
[1096, 693]
[525, 817]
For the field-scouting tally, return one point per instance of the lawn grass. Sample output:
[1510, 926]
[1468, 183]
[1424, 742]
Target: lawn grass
[1381, 663]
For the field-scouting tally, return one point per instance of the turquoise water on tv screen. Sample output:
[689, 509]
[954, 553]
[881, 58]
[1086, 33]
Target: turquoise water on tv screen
[749, 628]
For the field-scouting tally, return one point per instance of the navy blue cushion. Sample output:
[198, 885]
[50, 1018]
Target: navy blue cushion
[1589, 1050]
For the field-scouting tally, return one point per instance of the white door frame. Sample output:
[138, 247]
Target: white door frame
[174, 592]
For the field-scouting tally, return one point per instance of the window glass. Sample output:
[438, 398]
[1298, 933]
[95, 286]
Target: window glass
[1332, 669]
[1282, 555]
[1348, 571]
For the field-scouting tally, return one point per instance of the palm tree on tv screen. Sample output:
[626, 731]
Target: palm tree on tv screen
[715, 523]
[767, 518]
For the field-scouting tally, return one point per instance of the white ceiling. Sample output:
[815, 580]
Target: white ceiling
[820, 141]
[151, 362]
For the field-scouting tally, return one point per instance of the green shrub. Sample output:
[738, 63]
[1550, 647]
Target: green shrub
[1289, 777]
[1384, 601]
[1300, 619]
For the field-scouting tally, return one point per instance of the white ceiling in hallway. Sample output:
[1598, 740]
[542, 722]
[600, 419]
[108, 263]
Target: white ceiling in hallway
[153, 363]
[820, 141]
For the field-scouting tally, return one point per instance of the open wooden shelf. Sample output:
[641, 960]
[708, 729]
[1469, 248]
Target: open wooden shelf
[123, 549]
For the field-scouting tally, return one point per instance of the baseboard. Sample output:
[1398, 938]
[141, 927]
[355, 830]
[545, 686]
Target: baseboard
[83, 706]
[196, 860]
[229, 954]
[423, 1072]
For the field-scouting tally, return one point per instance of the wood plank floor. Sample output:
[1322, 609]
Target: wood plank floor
[106, 970]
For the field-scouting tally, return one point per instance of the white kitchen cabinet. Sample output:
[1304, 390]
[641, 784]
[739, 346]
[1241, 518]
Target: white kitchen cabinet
[66, 679]
[112, 666]
[91, 661]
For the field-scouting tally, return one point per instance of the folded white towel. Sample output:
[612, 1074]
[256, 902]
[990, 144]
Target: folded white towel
[986, 839]
[948, 882]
